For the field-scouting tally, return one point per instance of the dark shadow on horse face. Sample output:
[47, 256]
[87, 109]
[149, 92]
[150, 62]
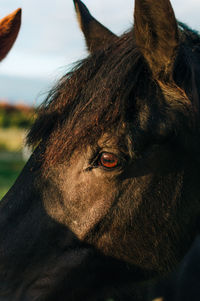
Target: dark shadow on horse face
[81, 229]
[146, 203]
[42, 259]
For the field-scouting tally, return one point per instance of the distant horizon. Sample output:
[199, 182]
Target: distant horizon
[18, 105]
[31, 91]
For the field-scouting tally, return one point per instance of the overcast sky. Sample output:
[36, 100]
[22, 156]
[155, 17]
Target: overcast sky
[50, 40]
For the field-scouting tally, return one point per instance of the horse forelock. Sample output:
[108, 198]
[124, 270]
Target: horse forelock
[101, 92]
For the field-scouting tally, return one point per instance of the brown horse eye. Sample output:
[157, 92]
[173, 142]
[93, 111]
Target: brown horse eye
[108, 160]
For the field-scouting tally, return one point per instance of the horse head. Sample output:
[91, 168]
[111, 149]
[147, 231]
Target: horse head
[110, 196]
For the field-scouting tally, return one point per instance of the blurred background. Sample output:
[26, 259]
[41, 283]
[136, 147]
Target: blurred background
[48, 44]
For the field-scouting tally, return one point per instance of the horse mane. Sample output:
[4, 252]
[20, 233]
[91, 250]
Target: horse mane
[186, 69]
[101, 92]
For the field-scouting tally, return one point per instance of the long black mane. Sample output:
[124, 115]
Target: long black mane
[102, 90]
[92, 98]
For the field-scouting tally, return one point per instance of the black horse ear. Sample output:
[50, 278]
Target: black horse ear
[156, 34]
[9, 28]
[96, 35]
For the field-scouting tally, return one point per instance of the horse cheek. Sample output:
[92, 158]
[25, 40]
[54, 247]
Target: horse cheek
[84, 200]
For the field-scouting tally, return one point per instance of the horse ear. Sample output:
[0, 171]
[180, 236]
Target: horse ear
[96, 35]
[156, 34]
[9, 28]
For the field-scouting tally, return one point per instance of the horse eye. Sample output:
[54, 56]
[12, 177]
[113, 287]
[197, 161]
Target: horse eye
[108, 160]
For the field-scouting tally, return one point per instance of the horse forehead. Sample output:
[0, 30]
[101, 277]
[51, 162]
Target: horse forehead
[114, 135]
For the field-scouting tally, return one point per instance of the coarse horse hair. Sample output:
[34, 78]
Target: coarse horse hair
[101, 91]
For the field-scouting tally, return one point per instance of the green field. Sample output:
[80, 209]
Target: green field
[12, 139]
[11, 164]
[14, 123]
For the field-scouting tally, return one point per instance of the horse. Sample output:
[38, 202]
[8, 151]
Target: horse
[9, 29]
[109, 199]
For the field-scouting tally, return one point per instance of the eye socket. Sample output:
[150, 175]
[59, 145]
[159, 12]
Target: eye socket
[108, 160]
